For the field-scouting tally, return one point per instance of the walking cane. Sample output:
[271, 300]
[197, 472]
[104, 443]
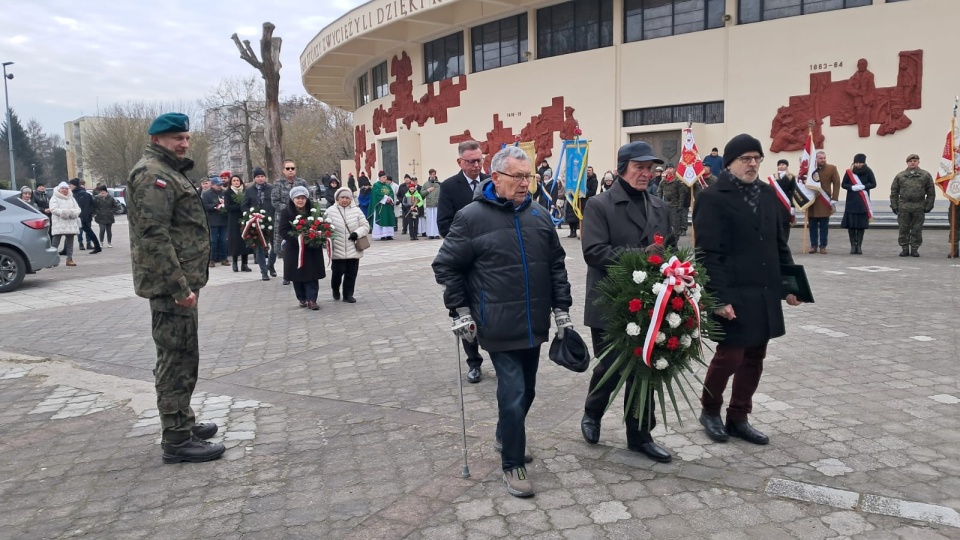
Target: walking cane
[465, 472]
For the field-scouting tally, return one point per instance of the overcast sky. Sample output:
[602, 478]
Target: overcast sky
[72, 55]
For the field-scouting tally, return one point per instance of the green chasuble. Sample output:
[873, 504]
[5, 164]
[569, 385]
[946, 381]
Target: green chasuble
[382, 214]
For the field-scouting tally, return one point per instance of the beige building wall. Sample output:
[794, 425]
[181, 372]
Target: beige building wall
[753, 68]
[73, 134]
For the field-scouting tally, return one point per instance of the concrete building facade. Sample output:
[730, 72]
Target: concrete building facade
[874, 76]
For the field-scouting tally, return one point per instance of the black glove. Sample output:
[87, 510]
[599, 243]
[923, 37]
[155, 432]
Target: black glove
[353, 236]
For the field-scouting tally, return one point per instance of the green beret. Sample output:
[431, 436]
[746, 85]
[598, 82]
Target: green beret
[169, 123]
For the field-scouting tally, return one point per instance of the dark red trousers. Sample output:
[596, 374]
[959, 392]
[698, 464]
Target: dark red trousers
[745, 365]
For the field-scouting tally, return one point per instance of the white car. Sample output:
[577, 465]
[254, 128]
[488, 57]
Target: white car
[119, 193]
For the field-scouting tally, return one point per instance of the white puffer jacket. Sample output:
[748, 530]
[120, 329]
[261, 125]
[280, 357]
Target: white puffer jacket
[346, 221]
[65, 213]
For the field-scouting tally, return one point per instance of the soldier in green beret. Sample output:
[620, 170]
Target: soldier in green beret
[911, 196]
[170, 247]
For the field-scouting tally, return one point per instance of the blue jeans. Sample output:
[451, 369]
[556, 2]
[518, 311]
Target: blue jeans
[516, 379]
[819, 228]
[307, 291]
[218, 243]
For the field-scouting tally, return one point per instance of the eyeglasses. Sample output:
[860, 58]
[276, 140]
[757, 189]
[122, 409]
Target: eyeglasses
[520, 177]
[290, 168]
[747, 159]
[472, 161]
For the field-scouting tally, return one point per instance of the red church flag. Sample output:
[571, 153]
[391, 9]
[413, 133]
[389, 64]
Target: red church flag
[690, 167]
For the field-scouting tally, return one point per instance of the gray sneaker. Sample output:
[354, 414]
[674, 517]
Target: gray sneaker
[517, 482]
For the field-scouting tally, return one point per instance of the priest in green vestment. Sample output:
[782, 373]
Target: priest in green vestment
[382, 214]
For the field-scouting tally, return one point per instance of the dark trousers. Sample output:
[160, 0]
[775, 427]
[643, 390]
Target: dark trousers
[306, 291]
[818, 231]
[472, 348]
[260, 256]
[786, 230]
[218, 243]
[108, 229]
[745, 365]
[516, 382]
[406, 218]
[86, 227]
[345, 270]
[414, 226]
[596, 402]
[178, 361]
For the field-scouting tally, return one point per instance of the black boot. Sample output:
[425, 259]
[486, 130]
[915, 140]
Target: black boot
[860, 241]
[852, 233]
[192, 450]
[235, 269]
[243, 265]
[914, 252]
[905, 252]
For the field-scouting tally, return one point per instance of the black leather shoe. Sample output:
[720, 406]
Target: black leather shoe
[653, 451]
[349, 299]
[264, 277]
[527, 456]
[204, 430]
[285, 282]
[336, 295]
[273, 272]
[746, 432]
[192, 450]
[474, 375]
[713, 425]
[590, 429]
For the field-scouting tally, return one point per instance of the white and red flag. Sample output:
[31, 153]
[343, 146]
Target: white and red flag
[807, 176]
[949, 163]
[690, 166]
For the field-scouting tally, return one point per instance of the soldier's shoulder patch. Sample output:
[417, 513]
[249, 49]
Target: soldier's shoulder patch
[160, 183]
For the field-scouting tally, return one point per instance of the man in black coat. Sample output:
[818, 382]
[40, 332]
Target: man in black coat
[624, 217]
[741, 243]
[258, 196]
[503, 272]
[217, 219]
[85, 201]
[455, 193]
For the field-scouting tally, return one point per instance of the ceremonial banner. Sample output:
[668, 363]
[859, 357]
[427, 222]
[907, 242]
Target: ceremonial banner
[803, 196]
[571, 170]
[807, 176]
[690, 166]
[947, 177]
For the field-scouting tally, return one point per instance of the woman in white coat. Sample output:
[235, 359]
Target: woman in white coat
[349, 224]
[65, 215]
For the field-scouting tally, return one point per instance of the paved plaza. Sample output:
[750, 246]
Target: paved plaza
[345, 423]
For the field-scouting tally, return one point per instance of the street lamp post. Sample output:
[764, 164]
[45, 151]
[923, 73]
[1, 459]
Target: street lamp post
[6, 96]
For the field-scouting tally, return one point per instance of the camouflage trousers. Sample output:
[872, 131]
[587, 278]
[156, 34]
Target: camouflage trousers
[911, 228]
[178, 361]
[678, 219]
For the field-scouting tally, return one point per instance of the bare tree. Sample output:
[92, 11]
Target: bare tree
[317, 136]
[234, 116]
[269, 69]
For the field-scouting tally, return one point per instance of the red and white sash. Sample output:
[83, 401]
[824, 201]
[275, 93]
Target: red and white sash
[855, 180]
[784, 200]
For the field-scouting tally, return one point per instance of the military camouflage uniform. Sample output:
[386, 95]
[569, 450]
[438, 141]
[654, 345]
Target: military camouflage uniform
[280, 197]
[170, 249]
[677, 196]
[911, 196]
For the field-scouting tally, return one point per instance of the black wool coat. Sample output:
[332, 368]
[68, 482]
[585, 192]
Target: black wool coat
[854, 203]
[613, 222]
[741, 252]
[258, 198]
[313, 268]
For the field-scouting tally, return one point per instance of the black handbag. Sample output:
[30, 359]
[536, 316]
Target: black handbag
[570, 352]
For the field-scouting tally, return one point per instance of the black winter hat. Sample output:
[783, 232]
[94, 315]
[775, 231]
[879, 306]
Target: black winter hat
[258, 172]
[783, 162]
[860, 158]
[570, 352]
[75, 182]
[738, 146]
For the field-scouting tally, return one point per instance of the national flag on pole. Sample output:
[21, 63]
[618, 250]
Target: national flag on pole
[690, 166]
[949, 163]
[807, 176]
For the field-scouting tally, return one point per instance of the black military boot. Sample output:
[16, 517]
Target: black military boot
[914, 252]
[192, 450]
[905, 252]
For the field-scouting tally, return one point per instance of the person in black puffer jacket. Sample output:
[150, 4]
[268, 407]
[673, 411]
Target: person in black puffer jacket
[85, 200]
[502, 264]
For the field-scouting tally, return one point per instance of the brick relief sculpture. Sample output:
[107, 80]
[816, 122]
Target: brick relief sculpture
[855, 101]
[540, 129]
[432, 105]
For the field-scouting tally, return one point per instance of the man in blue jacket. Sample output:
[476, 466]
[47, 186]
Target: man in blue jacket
[503, 271]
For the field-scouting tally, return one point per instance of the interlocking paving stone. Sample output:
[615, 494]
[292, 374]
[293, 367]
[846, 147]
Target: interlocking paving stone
[345, 423]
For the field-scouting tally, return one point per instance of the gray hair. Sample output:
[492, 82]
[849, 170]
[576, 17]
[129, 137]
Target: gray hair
[508, 151]
[467, 145]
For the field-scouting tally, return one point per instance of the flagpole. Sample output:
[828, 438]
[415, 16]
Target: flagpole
[806, 221]
[953, 163]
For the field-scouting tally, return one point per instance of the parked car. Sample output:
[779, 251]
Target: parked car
[24, 241]
[119, 193]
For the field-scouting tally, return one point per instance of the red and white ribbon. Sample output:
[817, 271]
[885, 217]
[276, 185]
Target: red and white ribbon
[675, 272]
[784, 200]
[254, 222]
[855, 180]
[302, 250]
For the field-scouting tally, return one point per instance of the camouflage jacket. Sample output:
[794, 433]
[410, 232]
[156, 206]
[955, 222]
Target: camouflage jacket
[280, 195]
[674, 193]
[169, 235]
[912, 191]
